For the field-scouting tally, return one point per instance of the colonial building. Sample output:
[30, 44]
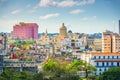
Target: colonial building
[104, 61]
[45, 39]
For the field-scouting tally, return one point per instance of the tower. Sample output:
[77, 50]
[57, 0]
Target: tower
[119, 26]
[63, 31]
[46, 33]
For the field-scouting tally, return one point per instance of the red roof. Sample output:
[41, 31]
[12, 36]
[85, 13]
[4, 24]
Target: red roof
[107, 60]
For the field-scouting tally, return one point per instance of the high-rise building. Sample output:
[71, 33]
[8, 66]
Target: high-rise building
[119, 26]
[110, 42]
[107, 41]
[25, 31]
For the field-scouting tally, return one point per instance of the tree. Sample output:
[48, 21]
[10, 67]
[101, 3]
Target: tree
[112, 74]
[38, 76]
[10, 74]
[57, 70]
[79, 65]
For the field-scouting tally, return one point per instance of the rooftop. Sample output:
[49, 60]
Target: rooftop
[105, 54]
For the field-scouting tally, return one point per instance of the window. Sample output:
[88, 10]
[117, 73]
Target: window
[117, 57]
[94, 57]
[117, 63]
[112, 64]
[103, 57]
[97, 64]
[100, 69]
[102, 63]
[112, 57]
[99, 57]
[107, 64]
[108, 57]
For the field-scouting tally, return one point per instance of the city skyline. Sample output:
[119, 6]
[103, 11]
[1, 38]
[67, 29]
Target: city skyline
[84, 16]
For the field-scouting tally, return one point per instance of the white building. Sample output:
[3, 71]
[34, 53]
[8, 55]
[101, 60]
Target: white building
[104, 61]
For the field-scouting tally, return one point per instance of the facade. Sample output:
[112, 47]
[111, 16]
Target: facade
[115, 43]
[107, 41]
[104, 61]
[110, 42]
[98, 44]
[25, 31]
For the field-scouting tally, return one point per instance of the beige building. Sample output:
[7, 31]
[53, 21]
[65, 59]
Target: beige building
[115, 43]
[45, 39]
[110, 42]
[107, 41]
[98, 44]
[57, 39]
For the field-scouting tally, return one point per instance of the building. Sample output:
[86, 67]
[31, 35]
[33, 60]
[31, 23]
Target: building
[104, 61]
[63, 31]
[119, 26]
[110, 42]
[25, 31]
[115, 43]
[107, 41]
[98, 44]
[45, 39]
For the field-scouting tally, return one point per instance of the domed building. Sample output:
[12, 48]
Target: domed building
[63, 31]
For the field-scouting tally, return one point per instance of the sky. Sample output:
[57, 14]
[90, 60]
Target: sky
[83, 16]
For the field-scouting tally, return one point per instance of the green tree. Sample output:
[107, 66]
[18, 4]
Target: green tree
[38, 76]
[10, 74]
[112, 74]
[57, 70]
[79, 65]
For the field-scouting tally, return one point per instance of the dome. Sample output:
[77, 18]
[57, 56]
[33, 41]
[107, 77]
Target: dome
[69, 31]
[63, 27]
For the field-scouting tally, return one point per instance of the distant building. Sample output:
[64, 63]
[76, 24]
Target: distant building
[45, 39]
[25, 31]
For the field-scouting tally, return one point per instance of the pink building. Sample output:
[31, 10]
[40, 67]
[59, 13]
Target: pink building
[25, 31]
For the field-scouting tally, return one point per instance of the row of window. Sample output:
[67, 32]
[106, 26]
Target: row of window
[107, 64]
[106, 57]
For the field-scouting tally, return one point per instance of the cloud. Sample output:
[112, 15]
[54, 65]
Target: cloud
[50, 16]
[89, 18]
[64, 3]
[44, 3]
[77, 11]
[15, 11]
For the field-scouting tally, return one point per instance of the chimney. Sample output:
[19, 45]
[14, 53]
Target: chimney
[119, 26]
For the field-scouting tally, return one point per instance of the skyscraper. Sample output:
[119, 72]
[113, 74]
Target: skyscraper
[25, 31]
[119, 26]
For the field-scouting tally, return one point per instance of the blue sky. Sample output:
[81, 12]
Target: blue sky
[83, 16]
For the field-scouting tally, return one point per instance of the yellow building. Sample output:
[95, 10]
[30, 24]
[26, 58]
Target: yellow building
[63, 31]
[45, 39]
[57, 39]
